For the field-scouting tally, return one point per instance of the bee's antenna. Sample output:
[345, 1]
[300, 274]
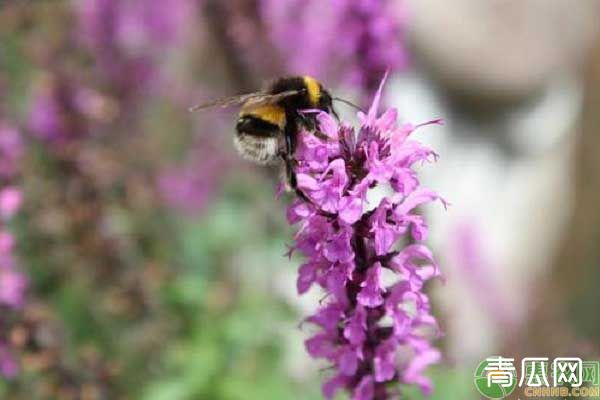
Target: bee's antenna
[348, 102]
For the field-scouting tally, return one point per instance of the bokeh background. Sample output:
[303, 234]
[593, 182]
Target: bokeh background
[141, 259]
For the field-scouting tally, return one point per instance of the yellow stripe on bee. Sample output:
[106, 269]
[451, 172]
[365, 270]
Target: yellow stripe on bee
[314, 90]
[268, 112]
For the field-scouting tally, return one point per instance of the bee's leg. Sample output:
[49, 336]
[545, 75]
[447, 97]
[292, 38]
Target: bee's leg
[321, 136]
[290, 177]
[288, 159]
[309, 122]
[311, 126]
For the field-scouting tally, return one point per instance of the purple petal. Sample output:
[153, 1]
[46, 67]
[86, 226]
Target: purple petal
[348, 361]
[338, 248]
[414, 370]
[307, 182]
[372, 114]
[350, 209]
[387, 120]
[365, 389]
[335, 281]
[298, 211]
[334, 384]
[371, 293]
[415, 199]
[328, 317]
[402, 323]
[328, 125]
[384, 365]
[307, 274]
[411, 252]
[356, 329]
[404, 180]
[320, 345]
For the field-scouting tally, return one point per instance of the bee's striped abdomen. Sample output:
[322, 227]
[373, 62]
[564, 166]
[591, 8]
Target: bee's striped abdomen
[259, 131]
[257, 140]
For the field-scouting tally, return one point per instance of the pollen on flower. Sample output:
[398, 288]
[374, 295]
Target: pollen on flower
[349, 243]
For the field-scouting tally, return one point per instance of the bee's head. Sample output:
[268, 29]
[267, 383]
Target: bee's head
[320, 98]
[326, 103]
[317, 96]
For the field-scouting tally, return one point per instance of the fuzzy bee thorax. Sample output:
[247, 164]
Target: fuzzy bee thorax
[271, 113]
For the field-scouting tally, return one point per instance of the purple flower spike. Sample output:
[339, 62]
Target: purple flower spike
[374, 331]
[356, 39]
[127, 38]
[13, 283]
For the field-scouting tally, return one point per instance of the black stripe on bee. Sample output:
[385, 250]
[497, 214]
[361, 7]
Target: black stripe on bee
[255, 126]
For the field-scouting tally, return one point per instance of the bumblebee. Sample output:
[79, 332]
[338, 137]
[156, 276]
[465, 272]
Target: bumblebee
[269, 120]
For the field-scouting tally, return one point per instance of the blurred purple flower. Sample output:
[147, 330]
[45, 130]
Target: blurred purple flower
[365, 38]
[131, 25]
[7, 243]
[372, 330]
[128, 37]
[12, 287]
[371, 34]
[12, 282]
[190, 188]
[478, 268]
[11, 150]
[9, 367]
[302, 31]
[186, 189]
[53, 112]
[62, 111]
[10, 201]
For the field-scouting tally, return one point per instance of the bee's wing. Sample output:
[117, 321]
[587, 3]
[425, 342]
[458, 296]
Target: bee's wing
[257, 98]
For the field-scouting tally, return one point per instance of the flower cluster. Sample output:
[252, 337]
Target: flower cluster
[62, 111]
[375, 326]
[189, 188]
[363, 38]
[372, 34]
[12, 281]
[127, 37]
[130, 24]
[128, 40]
[74, 107]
